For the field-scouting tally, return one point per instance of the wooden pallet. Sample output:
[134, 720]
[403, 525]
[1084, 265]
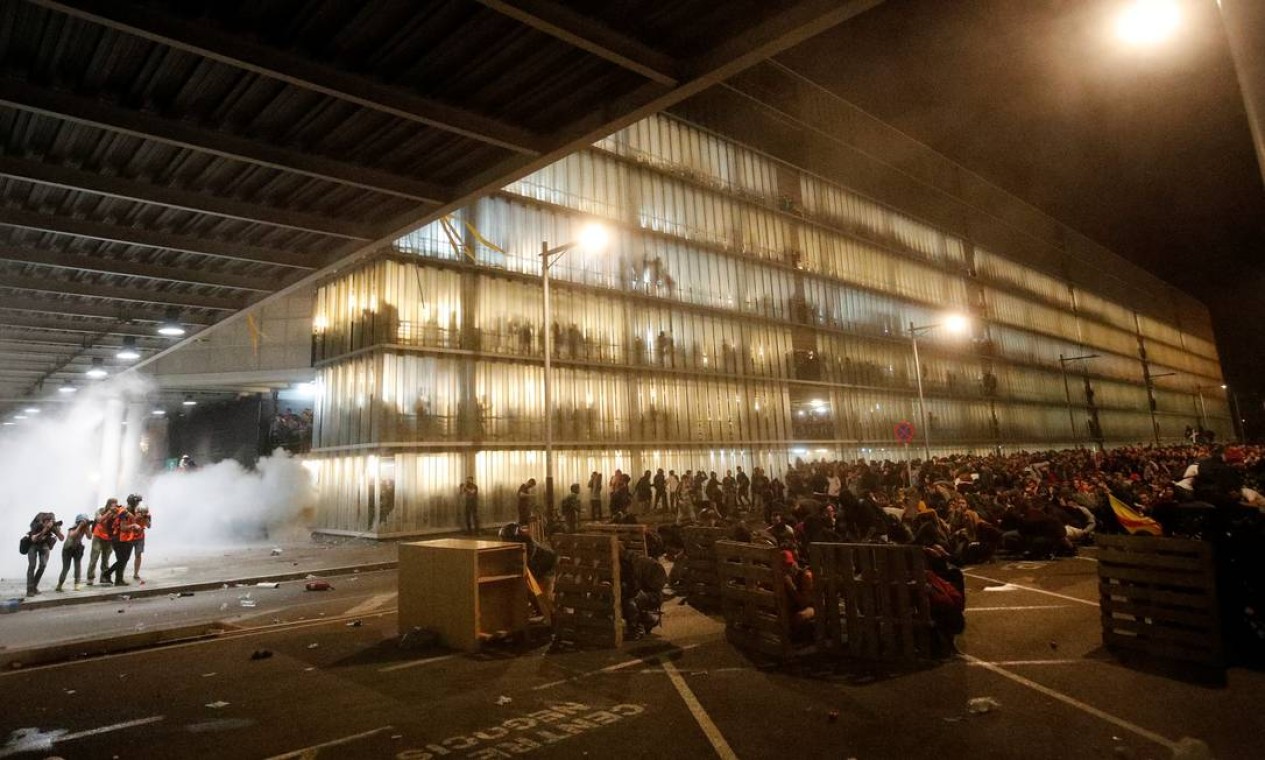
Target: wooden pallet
[631, 537]
[702, 580]
[872, 601]
[1158, 598]
[754, 599]
[586, 602]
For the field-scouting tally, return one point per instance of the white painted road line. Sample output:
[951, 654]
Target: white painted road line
[26, 740]
[1029, 607]
[1030, 588]
[108, 729]
[1072, 701]
[370, 604]
[415, 663]
[310, 752]
[723, 750]
[614, 668]
[1010, 663]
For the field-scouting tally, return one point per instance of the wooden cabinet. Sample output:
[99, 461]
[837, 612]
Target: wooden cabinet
[465, 590]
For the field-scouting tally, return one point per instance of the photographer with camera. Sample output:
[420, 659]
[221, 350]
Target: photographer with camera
[72, 550]
[43, 535]
[124, 533]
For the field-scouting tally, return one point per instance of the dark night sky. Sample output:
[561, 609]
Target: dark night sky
[1146, 151]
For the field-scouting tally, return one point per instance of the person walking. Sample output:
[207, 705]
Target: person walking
[525, 497]
[143, 521]
[674, 492]
[595, 496]
[72, 550]
[470, 505]
[43, 535]
[571, 509]
[660, 483]
[101, 546]
[744, 488]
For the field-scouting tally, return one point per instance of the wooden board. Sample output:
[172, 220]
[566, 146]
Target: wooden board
[1158, 598]
[702, 580]
[754, 598]
[587, 609]
[872, 601]
[631, 537]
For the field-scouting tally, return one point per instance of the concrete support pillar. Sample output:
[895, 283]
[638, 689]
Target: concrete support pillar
[111, 447]
[130, 459]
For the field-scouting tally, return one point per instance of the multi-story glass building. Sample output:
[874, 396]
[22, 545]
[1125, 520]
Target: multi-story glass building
[747, 312]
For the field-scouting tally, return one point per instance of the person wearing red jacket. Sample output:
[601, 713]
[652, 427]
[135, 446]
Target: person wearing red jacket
[123, 536]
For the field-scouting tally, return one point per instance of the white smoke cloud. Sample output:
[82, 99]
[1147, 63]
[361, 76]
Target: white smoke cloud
[56, 462]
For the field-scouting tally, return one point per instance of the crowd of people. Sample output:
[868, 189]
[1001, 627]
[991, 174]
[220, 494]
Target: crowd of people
[115, 532]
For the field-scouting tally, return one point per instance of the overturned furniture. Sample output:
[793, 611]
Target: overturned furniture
[632, 537]
[1158, 598]
[466, 591]
[587, 603]
[754, 599]
[701, 578]
[872, 602]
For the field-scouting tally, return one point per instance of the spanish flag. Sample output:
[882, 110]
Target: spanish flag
[1131, 521]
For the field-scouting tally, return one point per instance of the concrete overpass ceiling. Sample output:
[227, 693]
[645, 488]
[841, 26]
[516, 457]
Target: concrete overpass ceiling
[201, 157]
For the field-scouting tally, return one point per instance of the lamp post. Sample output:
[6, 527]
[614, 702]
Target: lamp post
[1203, 410]
[1150, 393]
[953, 323]
[592, 237]
[1067, 391]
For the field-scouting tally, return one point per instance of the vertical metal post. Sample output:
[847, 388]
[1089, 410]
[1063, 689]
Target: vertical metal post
[1203, 411]
[548, 333]
[1067, 394]
[1238, 416]
[922, 401]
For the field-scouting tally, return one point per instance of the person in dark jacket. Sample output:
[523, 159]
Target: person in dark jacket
[43, 535]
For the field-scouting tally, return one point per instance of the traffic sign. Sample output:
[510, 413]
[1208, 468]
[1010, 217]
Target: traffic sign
[904, 431]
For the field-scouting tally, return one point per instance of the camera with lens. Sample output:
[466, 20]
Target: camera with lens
[57, 523]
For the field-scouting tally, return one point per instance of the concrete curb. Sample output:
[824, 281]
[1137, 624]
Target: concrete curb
[140, 592]
[12, 660]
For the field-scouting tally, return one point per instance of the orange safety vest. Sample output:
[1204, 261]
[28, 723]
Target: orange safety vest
[129, 531]
[101, 528]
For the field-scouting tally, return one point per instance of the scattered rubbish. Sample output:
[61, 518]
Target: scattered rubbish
[224, 586]
[1191, 749]
[1003, 587]
[355, 624]
[981, 705]
[397, 736]
[418, 638]
[186, 593]
[120, 612]
[276, 551]
[261, 654]
[310, 576]
[207, 675]
[318, 586]
[217, 704]
[952, 719]
[223, 606]
[125, 597]
[70, 691]
[268, 584]
[140, 626]
[832, 716]
[1054, 645]
[248, 603]
[308, 670]
[10, 605]
[503, 700]
[313, 645]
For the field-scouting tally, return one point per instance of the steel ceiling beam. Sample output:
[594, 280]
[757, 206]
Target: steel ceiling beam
[591, 36]
[116, 233]
[241, 51]
[102, 114]
[122, 311]
[69, 178]
[120, 293]
[22, 320]
[86, 262]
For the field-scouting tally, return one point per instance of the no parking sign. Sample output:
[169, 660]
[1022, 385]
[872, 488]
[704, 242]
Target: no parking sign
[904, 431]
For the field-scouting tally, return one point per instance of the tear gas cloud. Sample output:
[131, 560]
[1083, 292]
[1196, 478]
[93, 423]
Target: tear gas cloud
[56, 462]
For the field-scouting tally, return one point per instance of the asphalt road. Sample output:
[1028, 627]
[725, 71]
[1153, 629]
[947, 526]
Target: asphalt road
[332, 690]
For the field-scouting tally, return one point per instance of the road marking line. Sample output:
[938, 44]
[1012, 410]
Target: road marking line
[371, 604]
[107, 729]
[415, 663]
[1065, 699]
[1030, 588]
[1008, 663]
[700, 715]
[308, 752]
[1029, 607]
[647, 660]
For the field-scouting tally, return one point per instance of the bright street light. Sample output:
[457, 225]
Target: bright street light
[593, 237]
[957, 323]
[98, 370]
[1148, 22]
[954, 323]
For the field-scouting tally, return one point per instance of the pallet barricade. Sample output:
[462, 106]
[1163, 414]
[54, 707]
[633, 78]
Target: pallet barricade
[631, 537]
[702, 580]
[754, 598]
[1158, 598]
[586, 603]
[872, 602]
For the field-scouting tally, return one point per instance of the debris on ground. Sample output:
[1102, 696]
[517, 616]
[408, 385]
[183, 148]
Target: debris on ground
[223, 606]
[125, 597]
[981, 705]
[268, 584]
[952, 719]
[1054, 645]
[207, 675]
[832, 716]
[313, 645]
[419, 637]
[216, 705]
[248, 603]
[318, 586]
[276, 551]
[120, 612]
[261, 654]
[503, 700]
[355, 623]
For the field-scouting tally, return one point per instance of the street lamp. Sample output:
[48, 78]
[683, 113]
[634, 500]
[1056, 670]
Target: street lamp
[1150, 399]
[593, 237]
[1067, 392]
[1148, 22]
[1203, 410]
[954, 323]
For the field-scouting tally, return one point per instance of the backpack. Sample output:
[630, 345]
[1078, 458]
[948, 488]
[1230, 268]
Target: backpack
[24, 545]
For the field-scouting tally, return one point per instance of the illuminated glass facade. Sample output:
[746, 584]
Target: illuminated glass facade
[746, 312]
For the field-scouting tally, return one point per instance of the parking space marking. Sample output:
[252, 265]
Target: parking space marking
[717, 739]
[1030, 588]
[1028, 607]
[309, 752]
[1011, 663]
[415, 663]
[616, 667]
[371, 604]
[1072, 701]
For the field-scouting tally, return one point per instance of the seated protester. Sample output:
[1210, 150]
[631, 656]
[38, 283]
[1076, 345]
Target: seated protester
[1043, 535]
[930, 530]
[948, 613]
[799, 596]
[540, 561]
[641, 592]
[783, 535]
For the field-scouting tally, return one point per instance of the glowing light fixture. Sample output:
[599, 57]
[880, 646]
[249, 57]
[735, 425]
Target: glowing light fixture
[67, 387]
[1148, 22]
[170, 326]
[19, 416]
[159, 412]
[594, 237]
[98, 370]
[128, 352]
[36, 409]
[189, 401]
[956, 323]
